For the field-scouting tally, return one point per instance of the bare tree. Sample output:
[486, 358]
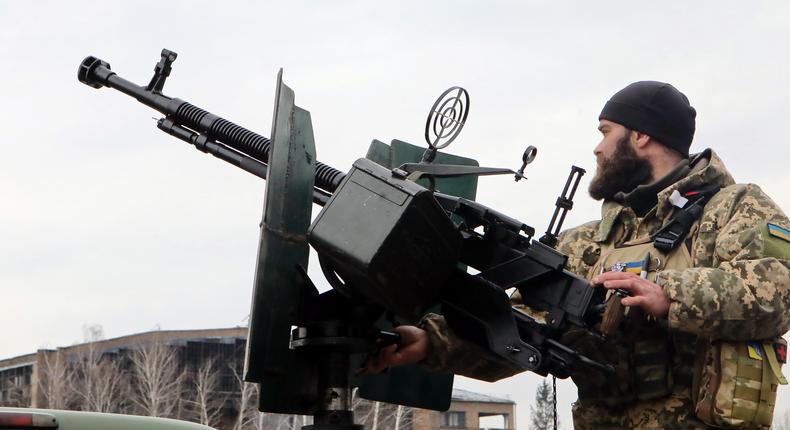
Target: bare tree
[394, 417]
[381, 416]
[97, 383]
[248, 416]
[289, 422]
[208, 400]
[404, 417]
[54, 379]
[362, 409]
[96, 379]
[376, 409]
[259, 422]
[156, 380]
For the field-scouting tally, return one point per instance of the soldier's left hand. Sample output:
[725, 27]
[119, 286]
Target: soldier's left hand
[643, 293]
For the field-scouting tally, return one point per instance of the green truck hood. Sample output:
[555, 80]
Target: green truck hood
[75, 420]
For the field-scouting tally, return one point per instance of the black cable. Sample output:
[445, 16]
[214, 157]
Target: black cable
[554, 400]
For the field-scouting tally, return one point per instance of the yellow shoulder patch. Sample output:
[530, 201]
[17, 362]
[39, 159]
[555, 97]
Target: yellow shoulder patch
[776, 231]
[777, 241]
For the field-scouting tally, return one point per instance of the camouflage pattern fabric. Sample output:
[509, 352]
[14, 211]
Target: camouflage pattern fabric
[737, 289]
[449, 353]
[673, 412]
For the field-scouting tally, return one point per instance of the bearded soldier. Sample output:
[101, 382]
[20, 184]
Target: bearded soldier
[703, 268]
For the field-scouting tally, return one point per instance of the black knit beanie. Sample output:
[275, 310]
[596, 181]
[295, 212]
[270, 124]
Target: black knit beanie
[656, 109]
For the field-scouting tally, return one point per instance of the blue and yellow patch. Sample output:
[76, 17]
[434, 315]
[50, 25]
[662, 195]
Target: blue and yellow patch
[776, 241]
[776, 231]
[755, 350]
[632, 267]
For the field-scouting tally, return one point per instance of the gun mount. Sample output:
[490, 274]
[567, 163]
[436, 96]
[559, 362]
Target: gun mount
[390, 245]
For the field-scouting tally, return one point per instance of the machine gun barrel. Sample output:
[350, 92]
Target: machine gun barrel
[97, 73]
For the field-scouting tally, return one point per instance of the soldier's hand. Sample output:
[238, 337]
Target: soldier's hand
[643, 293]
[412, 348]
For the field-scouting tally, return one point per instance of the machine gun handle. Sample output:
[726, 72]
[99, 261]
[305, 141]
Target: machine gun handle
[615, 311]
[613, 314]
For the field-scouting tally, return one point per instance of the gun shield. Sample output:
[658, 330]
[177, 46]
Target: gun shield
[287, 379]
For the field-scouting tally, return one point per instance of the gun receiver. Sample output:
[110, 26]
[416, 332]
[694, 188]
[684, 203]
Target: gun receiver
[375, 222]
[375, 217]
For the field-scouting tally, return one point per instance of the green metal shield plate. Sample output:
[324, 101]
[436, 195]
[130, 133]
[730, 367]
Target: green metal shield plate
[283, 248]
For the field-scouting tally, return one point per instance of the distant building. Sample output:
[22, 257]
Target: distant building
[23, 380]
[469, 410]
[16, 377]
[20, 376]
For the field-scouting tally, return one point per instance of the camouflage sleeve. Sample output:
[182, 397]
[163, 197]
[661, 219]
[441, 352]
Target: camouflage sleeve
[449, 353]
[740, 289]
[578, 244]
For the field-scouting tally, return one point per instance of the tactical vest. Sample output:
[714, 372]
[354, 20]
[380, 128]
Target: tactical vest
[732, 384]
[652, 362]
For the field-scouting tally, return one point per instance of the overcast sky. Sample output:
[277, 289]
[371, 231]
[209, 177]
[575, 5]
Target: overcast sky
[106, 220]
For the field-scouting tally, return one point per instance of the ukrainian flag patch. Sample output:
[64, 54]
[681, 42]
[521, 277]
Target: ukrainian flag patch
[776, 231]
[632, 267]
[755, 351]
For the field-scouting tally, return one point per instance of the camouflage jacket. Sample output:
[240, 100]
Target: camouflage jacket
[737, 289]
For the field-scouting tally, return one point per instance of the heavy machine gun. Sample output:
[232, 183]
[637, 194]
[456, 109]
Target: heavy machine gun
[394, 241]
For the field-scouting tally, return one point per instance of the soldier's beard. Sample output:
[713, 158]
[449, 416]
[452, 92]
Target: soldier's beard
[623, 171]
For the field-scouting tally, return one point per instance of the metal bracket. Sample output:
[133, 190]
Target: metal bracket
[450, 170]
[563, 205]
